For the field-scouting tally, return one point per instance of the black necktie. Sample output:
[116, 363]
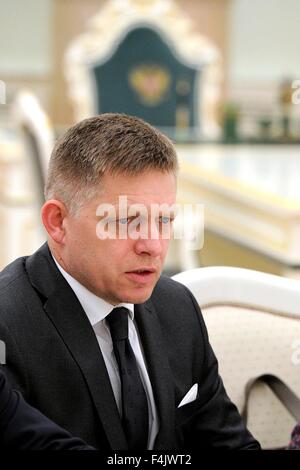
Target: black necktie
[134, 400]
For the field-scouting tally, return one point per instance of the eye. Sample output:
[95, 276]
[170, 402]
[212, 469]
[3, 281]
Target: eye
[165, 220]
[124, 221]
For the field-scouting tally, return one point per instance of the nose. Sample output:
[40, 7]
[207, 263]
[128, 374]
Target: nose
[150, 247]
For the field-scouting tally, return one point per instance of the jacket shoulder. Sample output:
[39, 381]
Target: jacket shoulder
[176, 302]
[12, 273]
[167, 288]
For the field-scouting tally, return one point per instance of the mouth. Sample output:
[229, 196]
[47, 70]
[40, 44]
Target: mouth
[142, 275]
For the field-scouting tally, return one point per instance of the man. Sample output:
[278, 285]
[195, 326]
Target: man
[96, 338]
[25, 428]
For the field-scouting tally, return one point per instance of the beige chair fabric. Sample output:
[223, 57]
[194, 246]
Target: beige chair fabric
[253, 321]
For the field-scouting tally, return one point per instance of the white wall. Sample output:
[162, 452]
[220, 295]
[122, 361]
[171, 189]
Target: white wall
[264, 42]
[264, 39]
[25, 37]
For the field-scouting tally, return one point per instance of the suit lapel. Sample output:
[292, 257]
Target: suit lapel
[159, 372]
[72, 324]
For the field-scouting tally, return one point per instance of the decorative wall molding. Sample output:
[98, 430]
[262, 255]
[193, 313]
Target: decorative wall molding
[107, 29]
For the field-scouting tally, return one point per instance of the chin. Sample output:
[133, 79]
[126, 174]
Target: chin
[138, 297]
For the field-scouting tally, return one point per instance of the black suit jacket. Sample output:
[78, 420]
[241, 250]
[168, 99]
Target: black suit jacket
[54, 358]
[25, 428]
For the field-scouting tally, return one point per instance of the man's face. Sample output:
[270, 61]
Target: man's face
[115, 269]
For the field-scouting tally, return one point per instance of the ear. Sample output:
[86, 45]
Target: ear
[53, 214]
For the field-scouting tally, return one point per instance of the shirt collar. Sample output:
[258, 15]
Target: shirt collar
[95, 308]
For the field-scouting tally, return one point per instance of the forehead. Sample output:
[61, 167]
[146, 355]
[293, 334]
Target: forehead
[147, 185]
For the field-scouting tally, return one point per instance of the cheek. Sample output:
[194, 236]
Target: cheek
[113, 252]
[84, 247]
[81, 237]
[165, 246]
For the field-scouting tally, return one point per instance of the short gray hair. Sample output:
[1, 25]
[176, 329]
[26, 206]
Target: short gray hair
[109, 143]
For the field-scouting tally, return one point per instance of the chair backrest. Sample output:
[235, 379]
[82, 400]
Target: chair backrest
[148, 64]
[37, 136]
[253, 321]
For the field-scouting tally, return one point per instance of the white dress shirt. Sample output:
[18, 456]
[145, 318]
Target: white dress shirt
[97, 310]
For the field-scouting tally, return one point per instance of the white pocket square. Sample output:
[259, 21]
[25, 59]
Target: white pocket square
[190, 396]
